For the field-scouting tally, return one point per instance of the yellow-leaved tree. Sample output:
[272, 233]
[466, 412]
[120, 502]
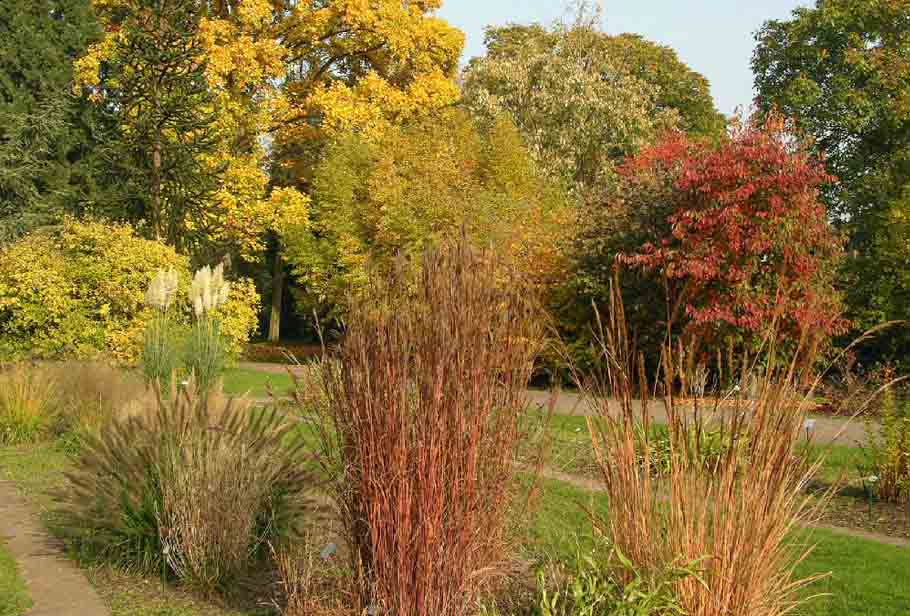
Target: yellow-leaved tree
[195, 87]
[211, 95]
[374, 200]
[355, 67]
[362, 66]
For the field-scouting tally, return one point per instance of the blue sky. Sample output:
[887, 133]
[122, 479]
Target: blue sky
[714, 37]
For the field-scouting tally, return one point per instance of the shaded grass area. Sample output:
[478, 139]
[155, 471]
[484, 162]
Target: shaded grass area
[255, 383]
[865, 577]
[127, 594]
[38, 470]
[14, 599]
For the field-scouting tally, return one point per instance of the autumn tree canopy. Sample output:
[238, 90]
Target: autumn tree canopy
[360, 66]
[733, 234]
[378, 199]
[584, 99]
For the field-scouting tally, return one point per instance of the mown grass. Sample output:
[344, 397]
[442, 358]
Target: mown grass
[14, 598]
[571, 452]
[255, 383]
[866, 577]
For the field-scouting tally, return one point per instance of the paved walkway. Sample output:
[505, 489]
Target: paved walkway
[825, 431]
[56, 585]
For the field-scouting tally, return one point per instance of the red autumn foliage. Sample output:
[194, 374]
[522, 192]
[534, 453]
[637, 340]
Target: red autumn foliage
[747, 236]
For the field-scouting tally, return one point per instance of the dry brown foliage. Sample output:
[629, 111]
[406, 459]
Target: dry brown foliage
[309, 583]
[94, 392]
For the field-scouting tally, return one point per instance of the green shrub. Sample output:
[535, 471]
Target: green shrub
[78, 290]
[610, 585]
[888, 450]
[189, 489]
[28, 403]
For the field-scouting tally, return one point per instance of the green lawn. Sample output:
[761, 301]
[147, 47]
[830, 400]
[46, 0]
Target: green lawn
[14, 599]
[255, 383]
[866, 577]
[571, 452]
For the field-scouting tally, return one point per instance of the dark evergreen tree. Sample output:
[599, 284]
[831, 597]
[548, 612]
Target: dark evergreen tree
[153, 82]
[48, 136]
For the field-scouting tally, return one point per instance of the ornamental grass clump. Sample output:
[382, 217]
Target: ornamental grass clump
[92, 394]
[189, 487]
[418, 421]
[29, 397]
[734, 518]
[160, 355]
[206, 350]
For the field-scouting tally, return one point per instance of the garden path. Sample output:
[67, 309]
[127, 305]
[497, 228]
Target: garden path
[825, 430]
[55, 584]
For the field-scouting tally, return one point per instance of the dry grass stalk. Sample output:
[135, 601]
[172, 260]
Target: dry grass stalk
[418, 425]
[309, 582]
[94, 392]
[29, 397]
[737, 517]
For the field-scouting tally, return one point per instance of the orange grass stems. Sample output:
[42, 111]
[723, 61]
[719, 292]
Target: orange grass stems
[736, 514]
[419, 418]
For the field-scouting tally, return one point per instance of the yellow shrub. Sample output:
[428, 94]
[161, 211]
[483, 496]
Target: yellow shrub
[240, 315]
[78, 291]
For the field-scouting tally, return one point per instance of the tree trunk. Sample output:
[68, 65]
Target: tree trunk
[277, 291]
[156, 187]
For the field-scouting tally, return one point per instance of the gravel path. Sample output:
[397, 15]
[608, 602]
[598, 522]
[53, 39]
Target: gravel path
[825, 430]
